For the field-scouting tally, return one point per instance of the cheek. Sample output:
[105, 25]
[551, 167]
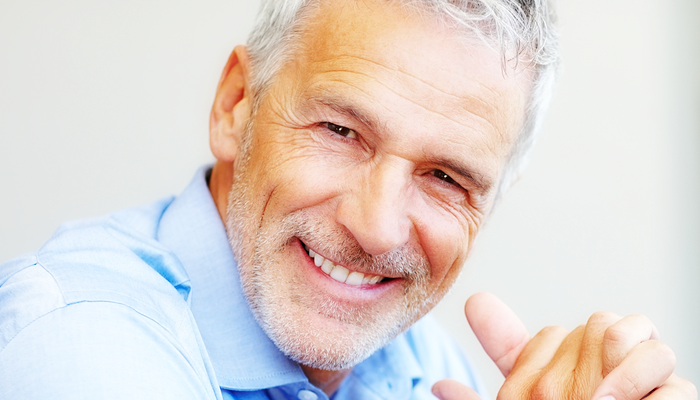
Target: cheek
[291, 173]
[446, 241]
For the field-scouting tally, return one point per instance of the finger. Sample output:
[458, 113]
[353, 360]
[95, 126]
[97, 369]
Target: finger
[647, 366]
[675, 388]
[622, 336]
[549, 343]
[536, 356]
[590, 361]
[448, 389]
[498, 329]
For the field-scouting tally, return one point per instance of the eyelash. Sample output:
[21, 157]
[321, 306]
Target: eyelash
[340, 130]
[445, 178]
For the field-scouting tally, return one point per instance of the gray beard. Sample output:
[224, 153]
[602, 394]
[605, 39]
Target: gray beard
[367, 330]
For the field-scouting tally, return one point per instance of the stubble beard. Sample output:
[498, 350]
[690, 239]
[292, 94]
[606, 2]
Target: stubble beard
[352, 333]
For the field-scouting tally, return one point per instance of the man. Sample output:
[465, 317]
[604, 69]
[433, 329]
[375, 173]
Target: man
[360, 145]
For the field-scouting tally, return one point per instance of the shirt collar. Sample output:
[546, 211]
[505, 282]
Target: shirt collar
[390, 373]
[242, 355]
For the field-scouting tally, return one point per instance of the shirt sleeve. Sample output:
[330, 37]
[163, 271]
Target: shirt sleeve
[98, 350]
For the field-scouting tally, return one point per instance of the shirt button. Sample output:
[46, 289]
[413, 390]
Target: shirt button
[307, 395]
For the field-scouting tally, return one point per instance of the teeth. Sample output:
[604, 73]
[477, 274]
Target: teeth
[355, 278]
[328, 267]
[340, 273]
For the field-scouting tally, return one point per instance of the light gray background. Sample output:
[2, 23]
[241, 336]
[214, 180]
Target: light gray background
[104, 105]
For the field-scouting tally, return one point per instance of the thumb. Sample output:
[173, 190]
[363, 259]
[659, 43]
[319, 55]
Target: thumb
[500, 332]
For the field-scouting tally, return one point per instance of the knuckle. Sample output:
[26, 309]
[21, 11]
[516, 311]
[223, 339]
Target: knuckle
[603, 318]
[615, 334]
[641, 318]
[553, 330]
[661, 352]
[547, 387]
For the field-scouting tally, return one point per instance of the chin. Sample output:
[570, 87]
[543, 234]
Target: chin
[327, 336]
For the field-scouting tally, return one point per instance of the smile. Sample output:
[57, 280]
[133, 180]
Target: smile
[340, 273]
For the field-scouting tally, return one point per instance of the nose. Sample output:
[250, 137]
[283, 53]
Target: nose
[375, 211]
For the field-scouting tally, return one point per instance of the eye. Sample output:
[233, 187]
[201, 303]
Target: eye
[444, 177]
[340, 130]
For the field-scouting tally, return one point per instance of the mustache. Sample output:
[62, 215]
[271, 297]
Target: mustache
[336, 242]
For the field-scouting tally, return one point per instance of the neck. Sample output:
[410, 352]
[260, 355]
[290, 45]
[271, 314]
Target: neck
[220, 185]
[328, 381]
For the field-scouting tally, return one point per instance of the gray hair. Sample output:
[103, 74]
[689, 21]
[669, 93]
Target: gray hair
[523, 31]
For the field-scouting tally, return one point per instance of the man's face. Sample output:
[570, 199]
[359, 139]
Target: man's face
[375, 154]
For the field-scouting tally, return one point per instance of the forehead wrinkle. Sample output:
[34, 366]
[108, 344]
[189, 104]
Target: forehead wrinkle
[324, 96]
[457, 97]
[446, 116]
[490, 109]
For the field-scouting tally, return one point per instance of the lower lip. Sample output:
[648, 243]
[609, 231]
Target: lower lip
[342, 290]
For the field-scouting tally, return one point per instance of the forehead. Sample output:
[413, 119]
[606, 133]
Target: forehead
[410, 73]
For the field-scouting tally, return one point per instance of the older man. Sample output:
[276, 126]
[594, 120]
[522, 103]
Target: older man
[360, 146]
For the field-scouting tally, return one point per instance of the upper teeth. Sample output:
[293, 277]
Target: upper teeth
[340, 273]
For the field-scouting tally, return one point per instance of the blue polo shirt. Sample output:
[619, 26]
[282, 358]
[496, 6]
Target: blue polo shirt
[146, 303]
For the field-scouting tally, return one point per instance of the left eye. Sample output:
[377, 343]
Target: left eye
[340, 130]
[444, 177]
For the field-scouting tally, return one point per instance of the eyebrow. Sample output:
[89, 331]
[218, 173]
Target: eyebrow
[476, 179]
[340, 105]
[343, 107]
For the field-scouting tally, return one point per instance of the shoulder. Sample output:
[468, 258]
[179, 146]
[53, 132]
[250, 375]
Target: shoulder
[115, 258]
[100, 311]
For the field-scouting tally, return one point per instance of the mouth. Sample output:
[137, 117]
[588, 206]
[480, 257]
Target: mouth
[340, 273]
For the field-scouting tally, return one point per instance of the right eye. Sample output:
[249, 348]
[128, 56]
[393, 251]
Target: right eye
[340, 130]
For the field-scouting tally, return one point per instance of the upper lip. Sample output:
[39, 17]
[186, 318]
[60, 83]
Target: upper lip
[351, 269]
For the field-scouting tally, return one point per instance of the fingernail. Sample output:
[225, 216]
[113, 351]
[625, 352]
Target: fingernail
[608, 397]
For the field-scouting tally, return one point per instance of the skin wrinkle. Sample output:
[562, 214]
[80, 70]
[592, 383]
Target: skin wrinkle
[399, 69]
[373, 123]
[500, 132]
[516, 70]
[339, 106]
[477, 180]
[349, 109]
[488, 184]
[444, 115]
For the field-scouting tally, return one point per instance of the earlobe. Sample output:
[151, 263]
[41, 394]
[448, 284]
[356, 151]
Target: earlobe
[231, 109]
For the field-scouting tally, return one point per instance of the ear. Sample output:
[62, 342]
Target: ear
[232, 107]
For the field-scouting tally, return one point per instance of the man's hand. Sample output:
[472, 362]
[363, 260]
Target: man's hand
[608, 358]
